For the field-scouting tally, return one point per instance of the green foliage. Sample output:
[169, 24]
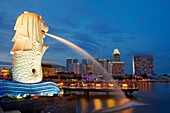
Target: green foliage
[144, 75]
[16, 97]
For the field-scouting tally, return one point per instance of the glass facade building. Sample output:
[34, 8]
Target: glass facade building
[142, 64]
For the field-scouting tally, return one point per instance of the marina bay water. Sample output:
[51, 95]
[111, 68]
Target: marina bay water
[152, 97]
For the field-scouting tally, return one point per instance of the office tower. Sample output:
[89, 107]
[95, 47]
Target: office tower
[98, 70]
[84, 69]
[90, 69]
[116, 67]
[84, 61]
[75, 60]
[116, 55]
[142, 64]
[84, 66]
[68, 62]
[90, 61]
[105, 64]
[78, 68]
[96, 67]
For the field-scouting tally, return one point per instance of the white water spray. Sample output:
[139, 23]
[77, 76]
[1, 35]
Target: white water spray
[75, 47]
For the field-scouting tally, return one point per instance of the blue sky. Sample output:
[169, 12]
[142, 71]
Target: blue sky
[97, 26]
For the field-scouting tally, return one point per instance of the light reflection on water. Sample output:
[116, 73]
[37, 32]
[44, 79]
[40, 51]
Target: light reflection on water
[96, 102]
[111, 103]
[84, 105]
[151, 98]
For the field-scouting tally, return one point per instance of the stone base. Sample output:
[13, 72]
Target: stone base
[65, 104]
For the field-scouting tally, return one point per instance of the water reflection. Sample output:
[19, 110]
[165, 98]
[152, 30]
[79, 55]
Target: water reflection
[123, 101]
[111, 103]
[97, 104]
[146, 86]
[149, 98]
[84, 105]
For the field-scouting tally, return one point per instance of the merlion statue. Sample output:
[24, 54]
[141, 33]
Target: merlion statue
[28, 48]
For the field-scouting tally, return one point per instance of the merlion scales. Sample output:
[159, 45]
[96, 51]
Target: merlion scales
[28, 48]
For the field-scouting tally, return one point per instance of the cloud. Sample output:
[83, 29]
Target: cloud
[87, 42]
[102, 28]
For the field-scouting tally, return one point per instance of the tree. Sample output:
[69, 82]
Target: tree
[144, 75]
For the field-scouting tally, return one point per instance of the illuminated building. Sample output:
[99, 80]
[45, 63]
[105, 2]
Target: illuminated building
[5, 73]
[75, 60]
[142, 64]
[84, 66]
[50, 68]
[98, 70]
[105, 64]
[116, 67]
[84, 61]
[90, 69]
[90, 61]
[116, 55]
[77, 68]
[68, 62]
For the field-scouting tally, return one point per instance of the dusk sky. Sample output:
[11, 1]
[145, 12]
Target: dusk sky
[97, 26]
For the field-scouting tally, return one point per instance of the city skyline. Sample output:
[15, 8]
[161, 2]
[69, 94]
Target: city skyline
[134, 27]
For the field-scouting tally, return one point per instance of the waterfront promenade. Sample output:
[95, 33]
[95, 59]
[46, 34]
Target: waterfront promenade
[87, 87]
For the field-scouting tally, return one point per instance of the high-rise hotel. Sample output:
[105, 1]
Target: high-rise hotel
[116, 66]
[142, 64]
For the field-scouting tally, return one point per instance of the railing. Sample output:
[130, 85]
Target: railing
[97, 84]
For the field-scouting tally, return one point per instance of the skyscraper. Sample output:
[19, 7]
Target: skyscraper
[96, 67]
[75, 60]
[116, 55]
[105, 64]
[116, 67]
[90, 66]
[84, 61]
[90, 61]
[142, 64]
[90, 69]
[68, 62]
[84, 66]
[98, 70]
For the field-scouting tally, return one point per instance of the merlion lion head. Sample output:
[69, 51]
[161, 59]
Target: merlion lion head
[30, 31]
[30, 25]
